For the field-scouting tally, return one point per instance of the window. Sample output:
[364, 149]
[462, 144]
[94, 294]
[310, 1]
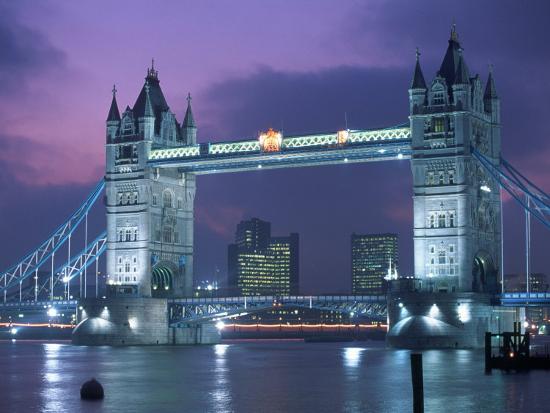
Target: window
[119, 198]
[180, 203]
[167, 235]
[441, 221]
[439, 125]
[127, 267]
[451, 219]
[432, 261]
[120, 260]
[432, 221]
[441, 258]
[135, 237]
[451, 248]
[135, 259]
[128, 235]
[121, 235]
[430, 178]
[167, 199]
[176, 238]
[451, 177]
[441, 178]
[154, 199]
[438, 98]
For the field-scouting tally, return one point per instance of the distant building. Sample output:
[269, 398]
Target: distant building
[373, 257]
[259, 264]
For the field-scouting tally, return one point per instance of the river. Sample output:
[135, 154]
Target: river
[258, 376]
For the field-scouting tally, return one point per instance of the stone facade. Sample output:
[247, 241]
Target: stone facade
[126, 321]
[457, 215]
[149, 211]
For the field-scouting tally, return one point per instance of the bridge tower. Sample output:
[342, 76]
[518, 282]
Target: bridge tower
[149, 210]
[457, 210]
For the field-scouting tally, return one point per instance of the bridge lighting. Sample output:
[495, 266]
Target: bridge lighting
[381, 151]
[209, 287]
[346, 159]
[400, 305]
[434, 310]
[260, 166]
[13, 331]
[485, 188]
[400, 156]
[66, 279]
[220, 325]
[52, 312]
[351, 314]
[526, 324]
[81, 308]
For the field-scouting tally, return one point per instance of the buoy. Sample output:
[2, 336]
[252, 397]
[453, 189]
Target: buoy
[91, 390]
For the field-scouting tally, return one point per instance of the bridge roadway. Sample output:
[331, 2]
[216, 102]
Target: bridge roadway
[196, 310]
[293, 151]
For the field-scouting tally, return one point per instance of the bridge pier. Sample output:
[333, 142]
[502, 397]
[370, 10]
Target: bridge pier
[135, 321]
[423, 320]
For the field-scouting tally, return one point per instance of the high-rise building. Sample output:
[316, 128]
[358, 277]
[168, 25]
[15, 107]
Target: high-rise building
[259, 264]
[373, 257]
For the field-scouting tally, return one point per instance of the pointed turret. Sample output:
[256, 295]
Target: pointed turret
[490, 89]
[462, 77]
[147, 120]
[418, 81]
[114, 114]
[148, 111]
[113, 118]
[189, 127]
[449, 66]
[491, 100]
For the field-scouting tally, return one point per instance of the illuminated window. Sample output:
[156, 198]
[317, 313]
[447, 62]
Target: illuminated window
[271, 141]
[439, 125]
[441, 221]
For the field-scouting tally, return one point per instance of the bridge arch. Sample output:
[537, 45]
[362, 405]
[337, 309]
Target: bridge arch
[162, 279]
[484, 273]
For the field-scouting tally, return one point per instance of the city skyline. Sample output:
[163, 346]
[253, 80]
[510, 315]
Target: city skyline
[63, 141]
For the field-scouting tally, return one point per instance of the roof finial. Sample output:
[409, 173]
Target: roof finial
[454, 34]
[491, 68]
[152, 73]
[189, 98]
[417, 54]
[114, 90]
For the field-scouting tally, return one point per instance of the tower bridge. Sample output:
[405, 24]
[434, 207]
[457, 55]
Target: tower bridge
[452, 140]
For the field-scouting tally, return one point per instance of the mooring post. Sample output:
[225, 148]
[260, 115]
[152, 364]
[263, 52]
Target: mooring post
[488, 352]
[417, 382]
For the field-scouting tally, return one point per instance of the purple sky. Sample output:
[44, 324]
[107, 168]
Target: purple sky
[251, 65]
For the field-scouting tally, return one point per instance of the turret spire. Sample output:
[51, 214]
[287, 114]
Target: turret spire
[490, 89]
[189, 120]
[462, 76]
[148, 106]
[454, 34]
[114, 114]
[418, 81]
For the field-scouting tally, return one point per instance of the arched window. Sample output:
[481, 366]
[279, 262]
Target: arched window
[154, 199]
[432, 221]
[441, 178]
[135, 238]
[441, 221]
[451, 219]
[167, 235]
[167, 199]
[442, 257]
[451, 177]
[127, 267]
[128, 235]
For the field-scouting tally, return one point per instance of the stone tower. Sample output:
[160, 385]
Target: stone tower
[457, 214]
[149, 211]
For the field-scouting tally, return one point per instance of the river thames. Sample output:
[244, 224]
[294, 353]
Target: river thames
[257, 376]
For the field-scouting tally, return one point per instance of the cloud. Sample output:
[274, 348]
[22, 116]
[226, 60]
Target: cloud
[219, 219]
[26, 53]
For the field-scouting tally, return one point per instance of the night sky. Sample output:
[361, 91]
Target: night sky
[296, 65]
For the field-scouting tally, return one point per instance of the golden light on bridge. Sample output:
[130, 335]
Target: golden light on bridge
[271, 141]
[342, 137]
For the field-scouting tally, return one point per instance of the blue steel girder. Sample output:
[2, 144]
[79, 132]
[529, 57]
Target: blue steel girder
[524, 299]
[308, 150]
[198, 310]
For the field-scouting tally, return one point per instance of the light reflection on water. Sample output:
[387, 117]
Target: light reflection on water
[257, 377]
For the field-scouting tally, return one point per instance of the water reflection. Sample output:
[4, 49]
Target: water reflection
[221, 396]
[352, 356]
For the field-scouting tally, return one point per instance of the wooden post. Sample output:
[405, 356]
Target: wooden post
[488, 352]
[417, 382]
